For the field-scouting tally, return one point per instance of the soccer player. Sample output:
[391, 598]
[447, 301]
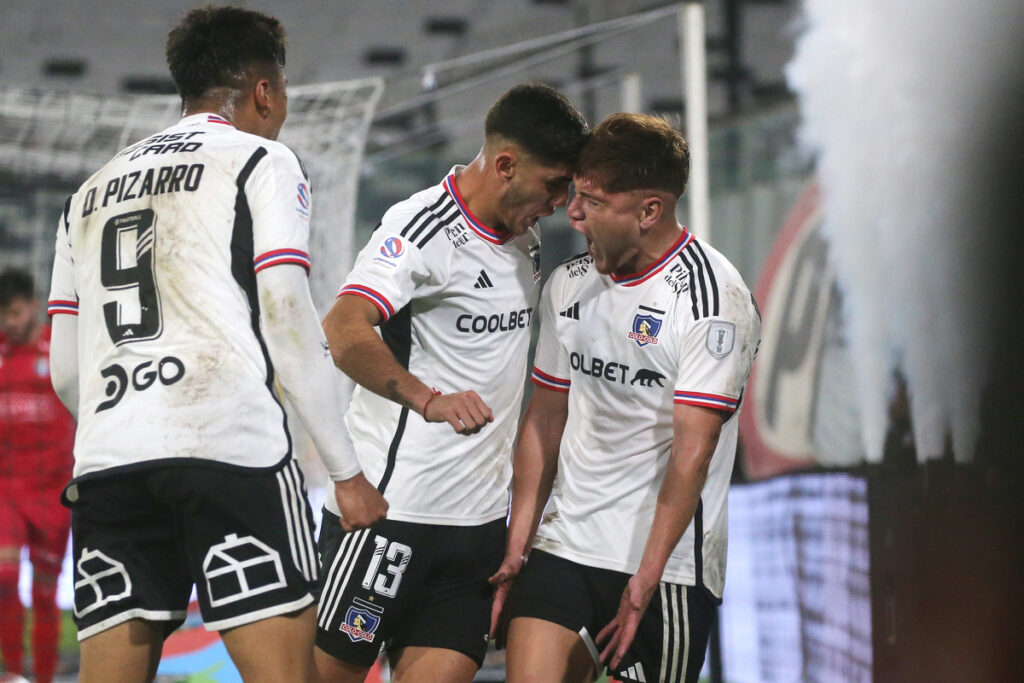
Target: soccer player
[646, 342]
[36, 437]
[450, 278]
[179, 298]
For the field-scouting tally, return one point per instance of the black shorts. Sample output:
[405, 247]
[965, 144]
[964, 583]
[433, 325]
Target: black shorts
[670, 641]
[142, 538]
[401, 584]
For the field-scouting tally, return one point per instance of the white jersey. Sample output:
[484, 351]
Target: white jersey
[456, 298]
[157, 254]
[626, 349]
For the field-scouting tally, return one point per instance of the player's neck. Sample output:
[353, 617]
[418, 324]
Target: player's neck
[655, 243]
[479, 199]
[224, 107]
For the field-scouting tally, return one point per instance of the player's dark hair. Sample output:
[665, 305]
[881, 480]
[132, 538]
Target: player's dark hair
[635, 151]
[541, 120]
[16, 284]
[215, 47]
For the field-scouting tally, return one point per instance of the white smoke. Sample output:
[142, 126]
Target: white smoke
[891, 93]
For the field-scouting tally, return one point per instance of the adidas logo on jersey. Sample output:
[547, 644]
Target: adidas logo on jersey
[483, 281]
[573, 312]
[633, 673]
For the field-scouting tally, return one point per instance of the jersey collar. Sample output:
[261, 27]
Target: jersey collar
[205, 117]
[475, 224]
[633, 279]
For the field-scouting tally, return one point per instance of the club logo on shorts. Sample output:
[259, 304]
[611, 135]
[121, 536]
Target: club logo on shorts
[392, 248]
[302, 197]
[239, 568]
[646, 325]
[721, 337]
[361, 620]
[98, 580]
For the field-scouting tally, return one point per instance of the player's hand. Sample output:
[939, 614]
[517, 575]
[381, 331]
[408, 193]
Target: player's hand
[620, 632]
[361, 504]
[502, 582]
[465, 411]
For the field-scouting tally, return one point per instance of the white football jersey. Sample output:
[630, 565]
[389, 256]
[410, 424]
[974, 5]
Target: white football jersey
[157, 254]
[626, 349]
[457, 298]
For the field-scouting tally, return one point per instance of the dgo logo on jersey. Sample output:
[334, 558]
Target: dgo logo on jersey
[392, 248]
[302, 199]
[361, 620]
[646, 326]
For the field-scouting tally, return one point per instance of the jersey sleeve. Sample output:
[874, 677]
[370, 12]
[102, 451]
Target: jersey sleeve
[551, 361]
[63, 297]
[280, 200]
[716, 354]
[390, 270]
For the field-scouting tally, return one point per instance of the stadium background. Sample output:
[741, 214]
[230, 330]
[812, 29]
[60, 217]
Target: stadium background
[874, 527]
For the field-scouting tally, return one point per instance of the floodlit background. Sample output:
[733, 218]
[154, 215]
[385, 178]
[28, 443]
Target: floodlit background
[864, 175]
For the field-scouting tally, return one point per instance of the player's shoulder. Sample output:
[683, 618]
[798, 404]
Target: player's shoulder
[279, 156]
[416, 217]
[576, 267]
[710, 257]
[569, 275]
[717, 288]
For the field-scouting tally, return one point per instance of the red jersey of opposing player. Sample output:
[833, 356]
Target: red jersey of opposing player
[36, 431]
[36, 439]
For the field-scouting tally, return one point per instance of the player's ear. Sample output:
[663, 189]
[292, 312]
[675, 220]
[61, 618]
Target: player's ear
[261, 96]
[651, 210]
[505, 164]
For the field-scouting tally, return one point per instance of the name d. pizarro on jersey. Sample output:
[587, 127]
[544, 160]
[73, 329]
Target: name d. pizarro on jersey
[148, 183]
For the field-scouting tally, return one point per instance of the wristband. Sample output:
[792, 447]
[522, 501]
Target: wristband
[435, 393]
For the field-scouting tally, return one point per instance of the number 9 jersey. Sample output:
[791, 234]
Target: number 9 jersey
[157, 255]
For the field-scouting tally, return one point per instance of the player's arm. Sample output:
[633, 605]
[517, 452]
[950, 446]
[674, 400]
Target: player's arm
[695, 436]
[62, 307]
[361, 354]
[64, 360]
[533, 474]
[534, 466]
[303, 364]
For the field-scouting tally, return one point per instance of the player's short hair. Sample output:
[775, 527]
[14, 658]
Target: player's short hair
[635, 151]
[16, 284]
[215, 46]
[540, 120]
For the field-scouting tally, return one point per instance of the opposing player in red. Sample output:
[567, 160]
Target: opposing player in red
[36, 438]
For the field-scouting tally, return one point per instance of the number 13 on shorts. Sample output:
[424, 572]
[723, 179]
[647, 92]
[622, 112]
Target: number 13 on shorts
[387, 582]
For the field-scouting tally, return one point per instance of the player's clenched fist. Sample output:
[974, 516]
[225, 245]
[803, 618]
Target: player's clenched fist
[360, 503]
[465, 411]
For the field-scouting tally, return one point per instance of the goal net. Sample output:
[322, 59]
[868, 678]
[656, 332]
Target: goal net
[51, 141]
